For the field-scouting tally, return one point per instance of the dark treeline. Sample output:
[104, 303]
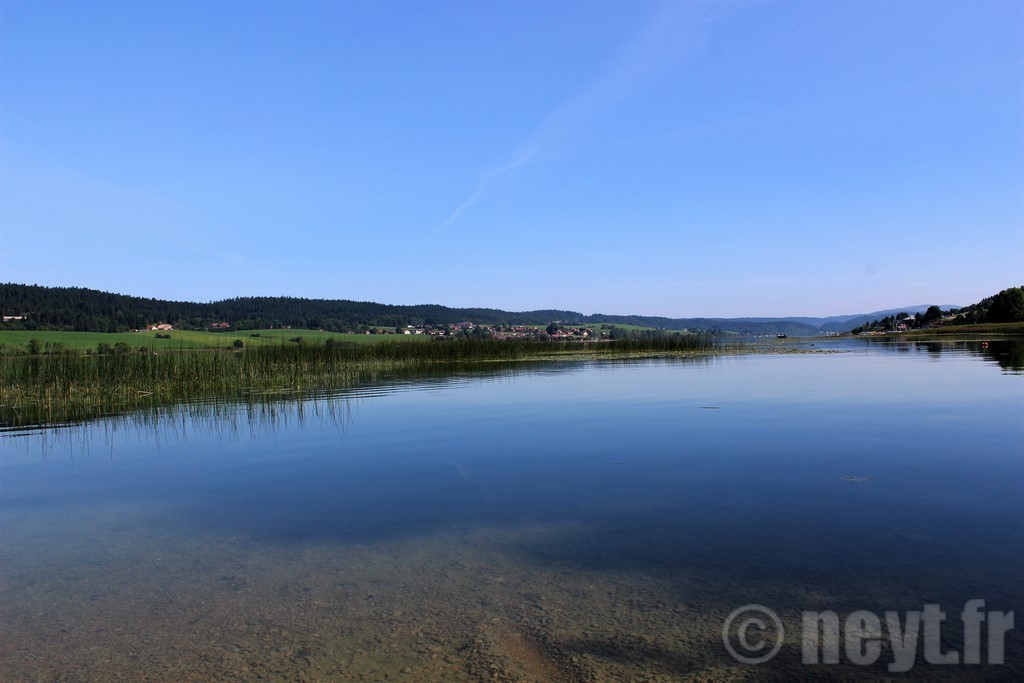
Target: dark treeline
[1005, 307]
[89, 310]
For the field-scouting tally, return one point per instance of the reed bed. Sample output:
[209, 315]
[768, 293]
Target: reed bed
[71, 386]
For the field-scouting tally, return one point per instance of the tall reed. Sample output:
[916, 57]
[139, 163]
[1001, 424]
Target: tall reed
[70, 386]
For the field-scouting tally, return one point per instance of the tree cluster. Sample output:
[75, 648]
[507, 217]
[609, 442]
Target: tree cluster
[1005, 307]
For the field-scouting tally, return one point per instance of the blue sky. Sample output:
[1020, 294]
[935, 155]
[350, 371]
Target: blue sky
[683, 159]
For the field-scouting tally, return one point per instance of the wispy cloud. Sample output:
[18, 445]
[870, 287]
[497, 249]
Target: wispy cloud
[481, 185]
[666, 41]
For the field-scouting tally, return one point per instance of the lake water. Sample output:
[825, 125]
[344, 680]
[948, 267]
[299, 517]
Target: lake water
[565, 522]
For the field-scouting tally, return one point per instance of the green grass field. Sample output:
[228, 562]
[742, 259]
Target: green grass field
[188, 339]
[11, 340]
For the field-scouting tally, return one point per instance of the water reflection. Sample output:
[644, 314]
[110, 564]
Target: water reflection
[576, 521]
[1008, 354]
[267, 406]
[270, 413]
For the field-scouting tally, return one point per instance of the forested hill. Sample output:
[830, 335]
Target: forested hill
[76, 308]
[89, 310]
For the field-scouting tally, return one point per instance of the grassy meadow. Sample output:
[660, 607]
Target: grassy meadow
[187, 339]
[14, 341]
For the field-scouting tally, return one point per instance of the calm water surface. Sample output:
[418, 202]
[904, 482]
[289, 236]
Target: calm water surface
[582, 521]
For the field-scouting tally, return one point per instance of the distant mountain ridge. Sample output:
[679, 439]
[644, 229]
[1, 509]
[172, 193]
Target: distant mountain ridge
[82, 309]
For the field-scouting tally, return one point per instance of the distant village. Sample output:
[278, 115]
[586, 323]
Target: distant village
[554, 330]
[903, 322]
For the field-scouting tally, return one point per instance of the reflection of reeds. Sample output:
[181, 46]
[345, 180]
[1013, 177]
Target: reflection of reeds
[227, 421]
[47, 389]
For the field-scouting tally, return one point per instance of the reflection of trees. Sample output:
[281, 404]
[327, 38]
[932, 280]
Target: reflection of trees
[1008, 353]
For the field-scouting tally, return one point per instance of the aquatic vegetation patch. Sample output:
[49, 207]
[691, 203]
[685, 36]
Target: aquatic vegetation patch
[68, 386]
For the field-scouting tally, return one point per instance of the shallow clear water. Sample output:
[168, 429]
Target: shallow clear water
[579, 521]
